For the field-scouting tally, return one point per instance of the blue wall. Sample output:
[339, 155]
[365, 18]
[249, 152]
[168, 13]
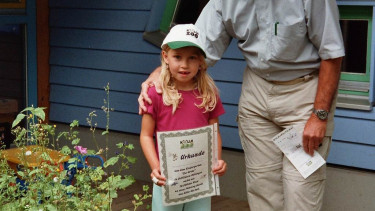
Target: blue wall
[94, 42]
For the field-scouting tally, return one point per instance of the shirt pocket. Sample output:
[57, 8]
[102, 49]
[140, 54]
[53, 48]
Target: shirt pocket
[288, 41]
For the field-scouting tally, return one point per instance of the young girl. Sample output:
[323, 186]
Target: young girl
[189, 100]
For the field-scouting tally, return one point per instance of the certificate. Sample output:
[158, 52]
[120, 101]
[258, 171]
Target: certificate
[186, 160]
[290, 143]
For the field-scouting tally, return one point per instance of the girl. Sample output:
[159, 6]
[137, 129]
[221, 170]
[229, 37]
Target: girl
[189, 100]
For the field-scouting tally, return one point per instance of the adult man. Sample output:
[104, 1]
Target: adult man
[293, 50]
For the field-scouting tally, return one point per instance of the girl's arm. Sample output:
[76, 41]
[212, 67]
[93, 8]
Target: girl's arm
[148, 147]
[221, 166]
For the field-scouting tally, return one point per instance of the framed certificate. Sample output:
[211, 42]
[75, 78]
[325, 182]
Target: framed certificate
[186, 160]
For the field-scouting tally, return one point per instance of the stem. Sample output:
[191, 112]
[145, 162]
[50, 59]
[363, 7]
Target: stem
[107, 110]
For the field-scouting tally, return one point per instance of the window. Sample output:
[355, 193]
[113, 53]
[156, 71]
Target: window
[12, 77]
[176, 12]
[354, 87]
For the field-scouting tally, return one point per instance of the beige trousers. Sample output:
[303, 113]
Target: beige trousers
[265, 109]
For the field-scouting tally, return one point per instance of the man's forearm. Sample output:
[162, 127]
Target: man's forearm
[329, 76]
[154, 76]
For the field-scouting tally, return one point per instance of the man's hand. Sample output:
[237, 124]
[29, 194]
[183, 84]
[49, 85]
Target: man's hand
[152, 80]
[313, 134]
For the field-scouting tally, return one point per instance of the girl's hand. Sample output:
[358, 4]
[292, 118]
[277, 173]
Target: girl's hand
[157, 178]
[221, 168]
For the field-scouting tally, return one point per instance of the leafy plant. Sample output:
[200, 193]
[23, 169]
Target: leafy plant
[65, 183]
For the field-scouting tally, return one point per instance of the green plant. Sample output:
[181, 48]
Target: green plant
[49, 186]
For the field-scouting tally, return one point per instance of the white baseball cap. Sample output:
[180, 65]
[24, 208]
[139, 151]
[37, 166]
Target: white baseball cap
[183, 35]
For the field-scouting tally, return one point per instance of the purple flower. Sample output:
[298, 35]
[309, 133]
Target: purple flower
[81, 150]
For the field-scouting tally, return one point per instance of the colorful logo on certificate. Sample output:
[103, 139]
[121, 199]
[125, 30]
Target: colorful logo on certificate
[185, 144]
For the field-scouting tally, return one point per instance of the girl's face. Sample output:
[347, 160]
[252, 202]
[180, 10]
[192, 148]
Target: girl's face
[184, 64]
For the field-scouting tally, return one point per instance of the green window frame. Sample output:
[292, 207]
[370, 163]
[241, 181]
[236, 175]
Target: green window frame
[357, 83]
[169, 11]
[171, 16]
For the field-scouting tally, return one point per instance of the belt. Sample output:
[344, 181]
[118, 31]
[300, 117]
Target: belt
[294, 81]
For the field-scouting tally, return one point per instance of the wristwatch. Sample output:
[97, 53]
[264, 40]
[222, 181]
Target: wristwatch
[320, 113]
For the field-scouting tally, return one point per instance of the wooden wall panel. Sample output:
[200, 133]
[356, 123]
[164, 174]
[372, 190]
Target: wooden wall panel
[105, 60]
[128, 41]
[352, 154]
[119, 121]
[99, 19]
[100, 4]
[93, 98]
[354, 130]
[97, 79]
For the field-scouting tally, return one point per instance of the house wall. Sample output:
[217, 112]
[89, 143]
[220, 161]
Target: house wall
[93, 43]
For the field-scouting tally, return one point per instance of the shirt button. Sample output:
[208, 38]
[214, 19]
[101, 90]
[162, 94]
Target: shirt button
[262, 59]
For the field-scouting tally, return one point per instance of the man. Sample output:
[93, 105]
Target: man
[293, 50]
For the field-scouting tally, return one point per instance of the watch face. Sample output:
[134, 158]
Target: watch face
[322, 114]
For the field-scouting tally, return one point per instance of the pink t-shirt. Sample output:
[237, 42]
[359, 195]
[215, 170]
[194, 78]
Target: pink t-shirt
[187, 115]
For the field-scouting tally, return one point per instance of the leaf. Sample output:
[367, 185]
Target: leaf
[40, 113]
[110, 162]
[119, 145]
[18, 119]
[146, 188]
[50, 207]
[124, 183]
[75, 123]
[105, 132]
[131, 146]
[75, 141]
[65, 150]
[131, 159]
[21, 134]
[28, 109]
[62, 134]
[90, 152]
[21, 173]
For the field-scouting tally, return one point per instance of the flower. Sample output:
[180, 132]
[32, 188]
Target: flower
[81, 149]
[55, 179]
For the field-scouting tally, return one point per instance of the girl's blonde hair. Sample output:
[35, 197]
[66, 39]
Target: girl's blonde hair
[207, 90]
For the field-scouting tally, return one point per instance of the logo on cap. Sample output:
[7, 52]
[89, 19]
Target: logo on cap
[192, 32]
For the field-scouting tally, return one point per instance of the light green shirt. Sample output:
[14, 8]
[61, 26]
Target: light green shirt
[280, 39]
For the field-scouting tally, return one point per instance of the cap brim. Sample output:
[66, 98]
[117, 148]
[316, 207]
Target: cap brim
[181, 44]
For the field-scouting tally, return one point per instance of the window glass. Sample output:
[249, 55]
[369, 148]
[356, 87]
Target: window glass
[180, 12]
[12, 77]
[188, 11]
[355, 45]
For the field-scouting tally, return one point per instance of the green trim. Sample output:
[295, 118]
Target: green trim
[359, 13]
[168, 15]
[353, 93]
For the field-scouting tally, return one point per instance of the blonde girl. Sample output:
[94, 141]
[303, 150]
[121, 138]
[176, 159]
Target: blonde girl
[189, 100]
